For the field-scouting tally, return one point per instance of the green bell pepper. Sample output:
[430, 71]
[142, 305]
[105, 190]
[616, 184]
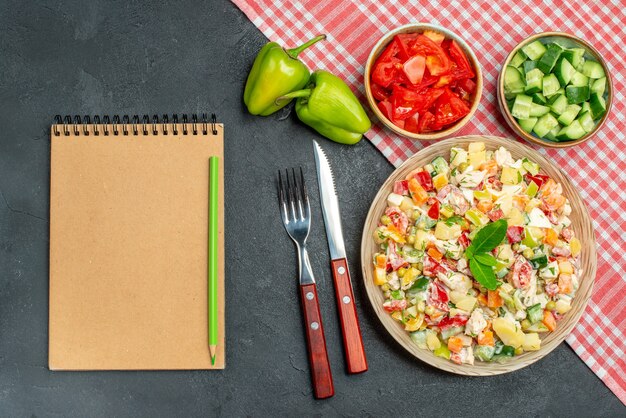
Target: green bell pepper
[329, 106]
[276, 71]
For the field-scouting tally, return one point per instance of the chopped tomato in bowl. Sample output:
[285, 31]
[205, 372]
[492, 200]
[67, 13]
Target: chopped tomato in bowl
[423, 81]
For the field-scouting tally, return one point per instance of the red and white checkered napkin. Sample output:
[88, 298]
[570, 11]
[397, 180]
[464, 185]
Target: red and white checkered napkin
[597, 167]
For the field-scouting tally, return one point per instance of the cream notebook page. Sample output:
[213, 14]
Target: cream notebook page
[128, 246]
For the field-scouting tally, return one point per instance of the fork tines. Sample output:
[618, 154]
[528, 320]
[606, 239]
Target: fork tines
[293, 196]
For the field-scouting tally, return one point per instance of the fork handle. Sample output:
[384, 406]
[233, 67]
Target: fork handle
[318, 357]
[356, 361]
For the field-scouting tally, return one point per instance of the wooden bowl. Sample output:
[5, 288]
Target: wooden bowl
[418, 28]
[565, 39]
[581, 224]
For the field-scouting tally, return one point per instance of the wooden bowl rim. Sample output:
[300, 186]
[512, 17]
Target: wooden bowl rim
[510, 120]
[549, 341]
[414, 27]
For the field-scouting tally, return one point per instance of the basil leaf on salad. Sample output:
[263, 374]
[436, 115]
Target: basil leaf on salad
[489, 237]
[486, 259]
[483, 274]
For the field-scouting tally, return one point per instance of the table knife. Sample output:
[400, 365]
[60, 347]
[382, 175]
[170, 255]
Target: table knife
[352, 340]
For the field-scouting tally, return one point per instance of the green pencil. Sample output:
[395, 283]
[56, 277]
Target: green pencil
[212, 264]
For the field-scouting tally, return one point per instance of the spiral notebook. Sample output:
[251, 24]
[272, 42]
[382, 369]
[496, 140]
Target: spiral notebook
[128, 243]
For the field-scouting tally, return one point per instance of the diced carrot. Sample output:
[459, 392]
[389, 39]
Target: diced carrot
[551, 237]
[493, 299]
[520, 201]
[482, 299]
[565, 283]
[484, 205]
[548, 187]
[490, 166]
[381, 260]
[432, 251]
[548, 320]
[486, 338]
[418, 194]
[553, 201]
[455, 344]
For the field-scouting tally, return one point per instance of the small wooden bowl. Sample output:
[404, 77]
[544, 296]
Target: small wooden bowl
[418, 28]
[566, 39]
[581, 224]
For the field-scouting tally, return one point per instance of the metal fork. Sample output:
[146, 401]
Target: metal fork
[296, 214]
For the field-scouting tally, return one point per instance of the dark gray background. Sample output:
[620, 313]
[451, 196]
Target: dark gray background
[130, 57]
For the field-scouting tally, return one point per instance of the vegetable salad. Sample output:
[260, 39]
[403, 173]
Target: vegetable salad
[477, 255]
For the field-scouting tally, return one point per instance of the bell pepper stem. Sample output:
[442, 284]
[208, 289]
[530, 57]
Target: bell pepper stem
[293, 95]
[294, 52]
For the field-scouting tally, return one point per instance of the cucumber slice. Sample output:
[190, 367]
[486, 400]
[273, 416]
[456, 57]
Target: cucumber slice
[440, 165]
[585, 108]
[527, 124]
[551, 135]
[559, 105]
[513, 81]
[534, 81]
[539, 99]
[586, 121]
[550, 57]
[521, 107]
[597, 106]
[569, 115]
[579, 79]
[534, 50]
[593, 69]
[577, 95]
[529, 66]
[598, 86]
[559, 91]
[518, 59]
[580, 66]
[564, 71]
[538, 110]
[531, 167]
[550, 85]
[573, 55]
[545, 124]
[573, 131]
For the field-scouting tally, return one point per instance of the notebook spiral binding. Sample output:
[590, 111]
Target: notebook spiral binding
[78, 124]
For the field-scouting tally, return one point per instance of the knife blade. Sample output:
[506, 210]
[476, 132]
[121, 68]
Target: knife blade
[356, 362]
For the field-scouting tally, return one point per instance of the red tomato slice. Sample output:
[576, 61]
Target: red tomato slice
[403, 41]
[379, 92]
[458, 56]
[449, 109]
[386, 108]
[425, 122]
[391, 51]
[411, 123]
[467, 84]
[433, 212]
[414, 69]
[385, 72]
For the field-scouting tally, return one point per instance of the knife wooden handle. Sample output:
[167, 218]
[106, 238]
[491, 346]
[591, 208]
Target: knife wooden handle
[352, 340]
[318, 357]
